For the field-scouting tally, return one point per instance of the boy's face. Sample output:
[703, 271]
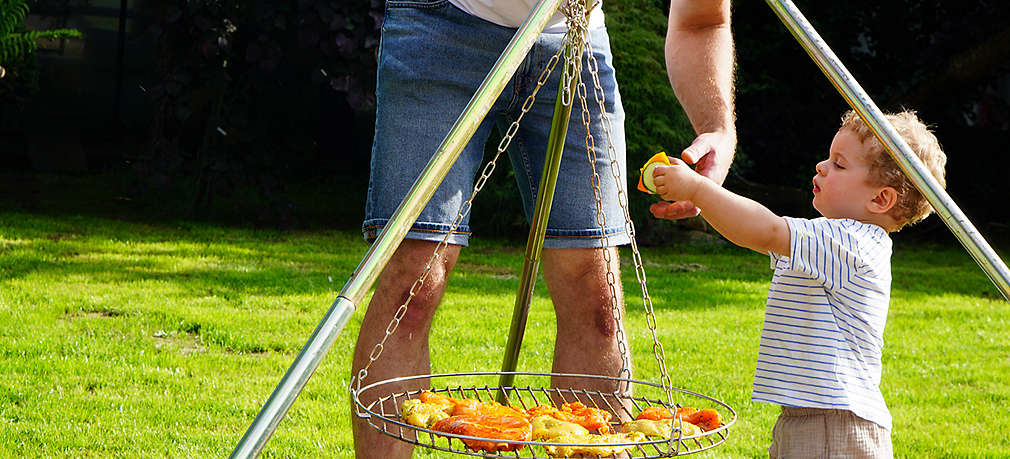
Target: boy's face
[842, 188]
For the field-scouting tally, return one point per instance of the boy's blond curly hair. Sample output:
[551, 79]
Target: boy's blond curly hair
[912, 206]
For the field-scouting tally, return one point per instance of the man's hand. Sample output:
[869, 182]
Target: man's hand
[699, 62]
[712, 152]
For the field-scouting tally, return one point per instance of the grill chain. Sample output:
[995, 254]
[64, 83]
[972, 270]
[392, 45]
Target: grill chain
[576, 38]
[577, 18]
[463, 210]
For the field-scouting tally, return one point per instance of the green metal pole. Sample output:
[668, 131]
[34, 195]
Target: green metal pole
[399, 224]
[910, 164]
[389, 239]
[538, 227]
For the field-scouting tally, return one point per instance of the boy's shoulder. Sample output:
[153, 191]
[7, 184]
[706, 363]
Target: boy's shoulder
[820, 246]
[826, 233]
[837, 226]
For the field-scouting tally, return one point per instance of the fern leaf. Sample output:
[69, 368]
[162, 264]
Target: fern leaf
[12, 14]
[15, 44]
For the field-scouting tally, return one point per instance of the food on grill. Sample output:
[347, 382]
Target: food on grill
[576, 412]
[444, 403]
[457, 407]
[474, 407]
[658, 413]
[707, 419]
[500, 427]
[645, 182]
[583, 443]
[655, 413]
[659, 428]
[504, 428]
[546, 428]
[418, 413]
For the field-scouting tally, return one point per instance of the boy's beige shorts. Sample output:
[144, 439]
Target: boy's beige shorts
[809, 433]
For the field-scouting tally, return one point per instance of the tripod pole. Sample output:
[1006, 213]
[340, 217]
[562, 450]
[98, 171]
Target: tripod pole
[909, 163]
[393, 233]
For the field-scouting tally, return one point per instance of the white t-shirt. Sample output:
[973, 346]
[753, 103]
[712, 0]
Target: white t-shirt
[512, 13]
[824, 320]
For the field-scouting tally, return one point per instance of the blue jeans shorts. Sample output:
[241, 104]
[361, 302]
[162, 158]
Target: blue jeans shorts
[432, 59]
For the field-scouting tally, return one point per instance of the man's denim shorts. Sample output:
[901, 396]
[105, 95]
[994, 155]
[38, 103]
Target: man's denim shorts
[432, 59]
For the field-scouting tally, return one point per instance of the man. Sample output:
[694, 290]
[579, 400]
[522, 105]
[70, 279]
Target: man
[433, 56]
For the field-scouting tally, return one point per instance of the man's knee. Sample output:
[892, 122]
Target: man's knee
[577, 266]
[408, 280]
[585, 294]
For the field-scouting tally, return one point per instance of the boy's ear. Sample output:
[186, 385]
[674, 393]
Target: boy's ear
[885, 199]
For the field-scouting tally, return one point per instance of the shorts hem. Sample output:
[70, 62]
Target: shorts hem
[584, 239]
[419, 231]
[553, 239]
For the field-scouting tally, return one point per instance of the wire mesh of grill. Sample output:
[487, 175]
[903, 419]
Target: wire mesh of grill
[383, 412]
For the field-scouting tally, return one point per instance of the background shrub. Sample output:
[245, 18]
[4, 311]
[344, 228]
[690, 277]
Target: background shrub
[263, 111]
[248, 95]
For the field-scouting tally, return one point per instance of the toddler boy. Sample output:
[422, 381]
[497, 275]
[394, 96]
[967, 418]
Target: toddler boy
[820, 350]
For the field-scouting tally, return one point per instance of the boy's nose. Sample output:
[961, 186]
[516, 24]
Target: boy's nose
[820, 167]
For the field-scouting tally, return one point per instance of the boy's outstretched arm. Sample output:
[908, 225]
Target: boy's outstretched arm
[741, 220]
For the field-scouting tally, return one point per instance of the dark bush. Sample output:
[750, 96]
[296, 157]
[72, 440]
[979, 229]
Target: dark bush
[949, 60]
[244, 90]
[254, 97]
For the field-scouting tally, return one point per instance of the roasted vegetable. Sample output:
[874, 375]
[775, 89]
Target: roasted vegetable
[645, 182]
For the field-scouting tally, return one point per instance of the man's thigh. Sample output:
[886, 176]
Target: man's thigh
[586, 203]
[432, 59]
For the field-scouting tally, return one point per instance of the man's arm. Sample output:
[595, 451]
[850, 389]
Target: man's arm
[699, 62]
[743, 221]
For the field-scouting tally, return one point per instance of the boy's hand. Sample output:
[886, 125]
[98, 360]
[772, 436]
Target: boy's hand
[713, 153]
[676, 182]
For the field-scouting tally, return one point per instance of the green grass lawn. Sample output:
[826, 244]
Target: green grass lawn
[148, 340]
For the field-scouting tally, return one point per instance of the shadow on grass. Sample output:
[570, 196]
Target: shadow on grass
[337, 202]
[231, 263]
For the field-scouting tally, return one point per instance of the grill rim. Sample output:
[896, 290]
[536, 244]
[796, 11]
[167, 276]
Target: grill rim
[391, 424]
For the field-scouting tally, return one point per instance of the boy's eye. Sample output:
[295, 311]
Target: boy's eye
[838, 165]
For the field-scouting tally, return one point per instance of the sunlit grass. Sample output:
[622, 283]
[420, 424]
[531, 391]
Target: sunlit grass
[141, 340]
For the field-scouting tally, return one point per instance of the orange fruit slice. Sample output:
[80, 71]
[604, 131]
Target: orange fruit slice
[645, 173]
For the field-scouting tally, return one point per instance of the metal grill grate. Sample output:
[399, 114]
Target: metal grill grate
[383, 413]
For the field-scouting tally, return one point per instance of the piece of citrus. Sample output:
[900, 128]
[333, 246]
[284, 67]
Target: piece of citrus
[645, 182]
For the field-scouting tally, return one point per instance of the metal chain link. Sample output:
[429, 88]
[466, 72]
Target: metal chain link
[463, 210]
[577, 36]
[615, 169]
[575, 11]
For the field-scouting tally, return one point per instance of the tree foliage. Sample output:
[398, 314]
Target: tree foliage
[18, 71]
[242, 85]
[15, 41]
[244, 88]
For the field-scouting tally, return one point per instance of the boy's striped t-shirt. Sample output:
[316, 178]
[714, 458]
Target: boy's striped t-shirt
[824, 320]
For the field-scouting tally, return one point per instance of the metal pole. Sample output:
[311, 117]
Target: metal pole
[393, 233]
[910, 164]
[538, 227]
[399, 224]
[294, 380]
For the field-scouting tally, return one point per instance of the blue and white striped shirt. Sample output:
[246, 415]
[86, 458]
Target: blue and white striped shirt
[824, 320]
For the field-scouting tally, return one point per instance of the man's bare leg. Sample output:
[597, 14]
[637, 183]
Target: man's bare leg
[406, 351]
[586, 341]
